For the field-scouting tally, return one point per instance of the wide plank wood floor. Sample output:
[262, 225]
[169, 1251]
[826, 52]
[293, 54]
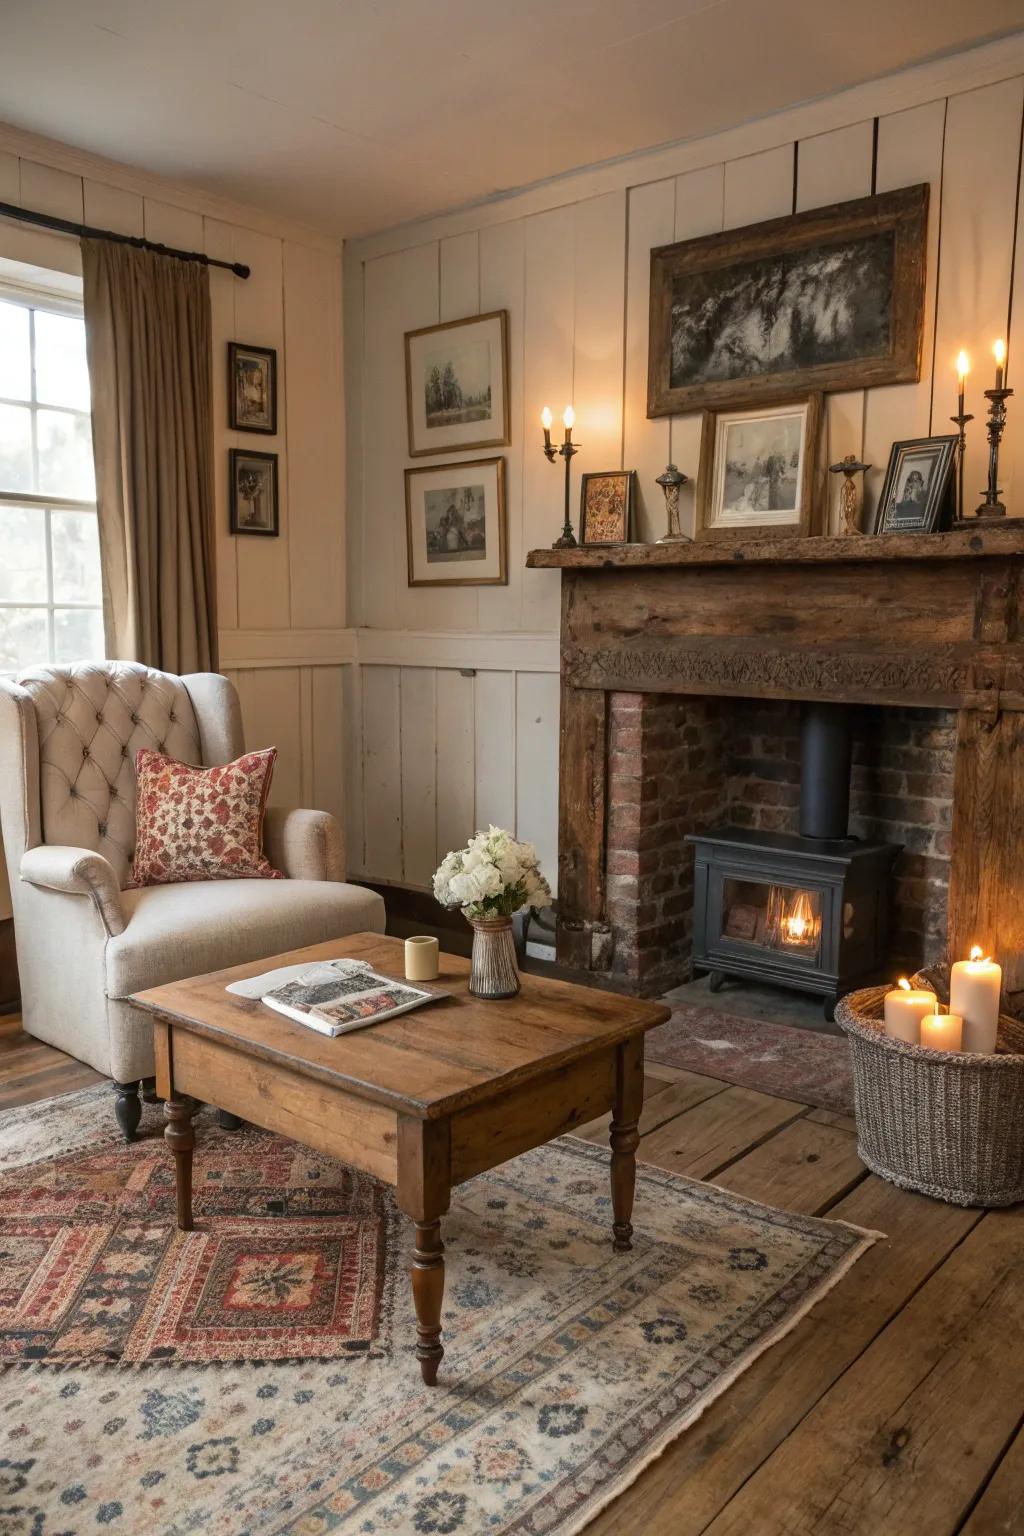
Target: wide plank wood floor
[896, 1408]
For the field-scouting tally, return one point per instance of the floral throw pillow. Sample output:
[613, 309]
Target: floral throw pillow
[200, 823]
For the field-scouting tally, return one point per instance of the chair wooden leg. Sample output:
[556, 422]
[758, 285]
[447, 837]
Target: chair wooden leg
[128, 1108]
[149, 1093]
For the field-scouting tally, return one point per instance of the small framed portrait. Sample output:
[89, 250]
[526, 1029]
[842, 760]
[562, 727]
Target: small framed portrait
[456, 379]
[606, 507]
[252, 388]
[254, 506]
[455, 522]
[759, 471]
[918, 487]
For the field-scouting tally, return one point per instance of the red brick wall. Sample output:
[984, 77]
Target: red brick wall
[681, 763]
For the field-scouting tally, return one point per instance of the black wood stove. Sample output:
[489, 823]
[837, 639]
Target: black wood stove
[807, 911]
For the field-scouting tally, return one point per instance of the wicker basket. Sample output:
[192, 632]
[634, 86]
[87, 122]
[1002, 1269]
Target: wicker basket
[944, 1123]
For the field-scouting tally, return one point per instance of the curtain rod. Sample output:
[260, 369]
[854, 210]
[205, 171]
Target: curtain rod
[85, 231]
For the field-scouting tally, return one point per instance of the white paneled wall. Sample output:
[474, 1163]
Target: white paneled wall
[457, 722]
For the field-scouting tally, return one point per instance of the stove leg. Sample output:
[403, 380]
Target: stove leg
[716, 981]
[828, 1008]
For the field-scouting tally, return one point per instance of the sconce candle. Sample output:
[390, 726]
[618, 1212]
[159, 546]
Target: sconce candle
[569, 420]
[974, 988]
[942, 1031]
[963, 368]
[905, 1007]
[567, 448]
[999, 352]
[545, 421]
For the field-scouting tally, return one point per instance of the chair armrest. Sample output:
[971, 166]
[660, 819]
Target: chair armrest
[80, 872]
[304, 845]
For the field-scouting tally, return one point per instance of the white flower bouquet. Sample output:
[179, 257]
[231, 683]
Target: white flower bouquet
[493, 876]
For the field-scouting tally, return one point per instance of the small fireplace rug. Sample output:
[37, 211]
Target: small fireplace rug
[257, 1376]
[801, 1064]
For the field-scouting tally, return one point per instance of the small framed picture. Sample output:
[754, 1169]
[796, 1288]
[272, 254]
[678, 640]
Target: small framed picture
[456, 525]
[759, 471]
[252, 388]
[253, 492]
[918, 487]
[606, 507]
[456, 379]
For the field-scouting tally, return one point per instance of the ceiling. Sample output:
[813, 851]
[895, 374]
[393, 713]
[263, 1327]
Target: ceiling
[355, 115]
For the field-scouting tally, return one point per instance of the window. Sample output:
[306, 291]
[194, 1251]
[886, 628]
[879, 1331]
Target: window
[50, 606]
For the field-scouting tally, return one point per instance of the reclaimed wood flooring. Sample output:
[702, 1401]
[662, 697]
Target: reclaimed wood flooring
[894, 1409]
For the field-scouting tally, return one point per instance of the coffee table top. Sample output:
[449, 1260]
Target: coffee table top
[436, 1059]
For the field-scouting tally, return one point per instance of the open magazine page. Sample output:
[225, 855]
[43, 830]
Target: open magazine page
[339, 995]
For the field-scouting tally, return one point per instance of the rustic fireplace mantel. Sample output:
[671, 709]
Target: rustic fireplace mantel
[921, 620]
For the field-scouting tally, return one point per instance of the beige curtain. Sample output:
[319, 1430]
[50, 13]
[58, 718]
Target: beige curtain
[147, 323]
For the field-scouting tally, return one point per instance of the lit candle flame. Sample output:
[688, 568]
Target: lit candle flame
[999, 352]
[978, 957]
[569, 417]
[905, 984]
[546, 418]
[963, 366]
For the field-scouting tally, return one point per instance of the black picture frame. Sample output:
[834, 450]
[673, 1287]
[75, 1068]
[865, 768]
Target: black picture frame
[628, 493]
[256, 362]
[268, 524]
[931, 460]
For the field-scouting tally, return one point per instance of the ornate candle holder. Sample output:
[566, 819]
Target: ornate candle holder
[992, 509]
[672, 482]
[960, 421]
[567, 539]
[849, 501]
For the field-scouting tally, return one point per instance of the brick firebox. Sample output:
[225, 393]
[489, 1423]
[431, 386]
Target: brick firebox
[682, 763]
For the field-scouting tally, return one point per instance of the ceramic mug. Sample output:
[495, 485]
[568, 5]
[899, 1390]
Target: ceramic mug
[421, 958]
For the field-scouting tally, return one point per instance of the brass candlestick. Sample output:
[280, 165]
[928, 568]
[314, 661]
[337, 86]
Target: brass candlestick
[992, 509]
[567, 539]
[672, 482]
[849, 502]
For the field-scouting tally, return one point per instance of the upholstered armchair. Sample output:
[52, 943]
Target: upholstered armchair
[68, 739]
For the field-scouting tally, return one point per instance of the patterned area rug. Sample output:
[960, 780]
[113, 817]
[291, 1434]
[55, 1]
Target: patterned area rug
[800, 1064]
[257, 1376]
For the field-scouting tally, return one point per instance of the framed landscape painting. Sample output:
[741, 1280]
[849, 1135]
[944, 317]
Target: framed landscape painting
[455, 522]
[830, 299]
[456, 378]
[759, 471]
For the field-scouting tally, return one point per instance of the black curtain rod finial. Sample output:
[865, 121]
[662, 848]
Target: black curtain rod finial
[86, 232]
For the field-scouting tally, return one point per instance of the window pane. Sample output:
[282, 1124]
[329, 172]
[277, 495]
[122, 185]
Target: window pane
[62, 376]
[15, 448]
[76, 557]
[23, 555]
[77, 634]
[15, 359]
[65, 455]
[22, 638]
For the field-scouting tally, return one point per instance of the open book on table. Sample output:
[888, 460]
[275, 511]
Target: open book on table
[334, 996]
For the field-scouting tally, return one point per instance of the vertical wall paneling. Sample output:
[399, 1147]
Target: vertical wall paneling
[306, 727]
[418, 687]
[353, 766]
[1011, 470]
[758, 187]
[220, 242]
[169, 224]
[456, 821]
[263, 564]
[382, 781]
[979, 202]
[316, 458]
[107, 207]
[550, 315]
[832, 168]
[537, 709]
[10, 178]
[460, 276]
[48, 190]
[699, 202]
[909, 152]
[272, 714]
[646, 443]
[502, 269]
[356, 512]
[330, 725]
[599, 291]
[494, 708]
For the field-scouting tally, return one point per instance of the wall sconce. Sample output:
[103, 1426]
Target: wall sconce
[567, 539]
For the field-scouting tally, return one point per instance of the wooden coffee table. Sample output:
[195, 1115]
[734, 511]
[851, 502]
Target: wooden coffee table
[423, 1101]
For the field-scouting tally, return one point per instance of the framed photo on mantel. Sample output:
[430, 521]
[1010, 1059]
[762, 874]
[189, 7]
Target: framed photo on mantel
[830, 299]
[759, 471]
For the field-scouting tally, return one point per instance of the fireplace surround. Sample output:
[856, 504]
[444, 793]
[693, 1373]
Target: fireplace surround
[927, 625]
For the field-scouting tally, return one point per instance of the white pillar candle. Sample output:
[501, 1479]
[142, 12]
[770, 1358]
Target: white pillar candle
[904, 1010]
[974, 987]
[942, 1031]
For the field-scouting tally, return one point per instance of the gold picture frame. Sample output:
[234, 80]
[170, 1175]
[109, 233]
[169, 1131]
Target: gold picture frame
[457, 385]
[753, 457]
[456, 524]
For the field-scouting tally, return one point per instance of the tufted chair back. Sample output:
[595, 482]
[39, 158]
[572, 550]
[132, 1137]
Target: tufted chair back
[92, 718]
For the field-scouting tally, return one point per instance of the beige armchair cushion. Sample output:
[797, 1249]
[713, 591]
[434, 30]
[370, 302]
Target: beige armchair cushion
[80, 872]
[185, 930]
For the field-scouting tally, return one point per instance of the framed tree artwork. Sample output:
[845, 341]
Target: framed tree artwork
[456, 379]
[831, 299]
[456, 524]
[253, 492]
[252, 388]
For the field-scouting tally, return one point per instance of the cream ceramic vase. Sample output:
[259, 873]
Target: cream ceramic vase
[493, 969]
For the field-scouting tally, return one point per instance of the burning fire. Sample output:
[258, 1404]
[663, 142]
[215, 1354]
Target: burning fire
[905, 984]
[977, 957]
[800, 923]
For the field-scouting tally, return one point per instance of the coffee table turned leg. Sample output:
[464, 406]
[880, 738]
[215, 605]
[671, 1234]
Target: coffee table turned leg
[625, 1138]
[427, 1295]
[424, 1192]
[180, 1136]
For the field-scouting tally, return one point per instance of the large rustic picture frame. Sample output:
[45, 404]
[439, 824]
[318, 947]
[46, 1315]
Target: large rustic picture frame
[456, 385]
[830, 299]
[759, 475]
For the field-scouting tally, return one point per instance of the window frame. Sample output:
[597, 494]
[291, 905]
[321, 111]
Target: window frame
[34, 297]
